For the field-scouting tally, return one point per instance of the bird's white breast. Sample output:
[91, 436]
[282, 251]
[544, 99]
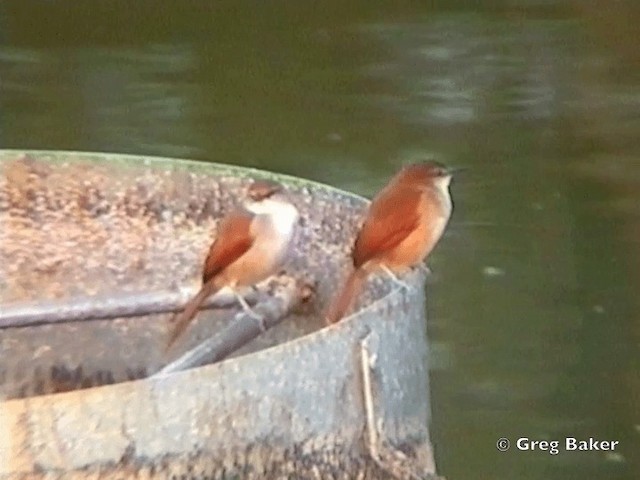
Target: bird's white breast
[442, 189]
[283, 215]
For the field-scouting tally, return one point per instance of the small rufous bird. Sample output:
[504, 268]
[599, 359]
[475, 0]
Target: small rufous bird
[402, 226]
[251, 244]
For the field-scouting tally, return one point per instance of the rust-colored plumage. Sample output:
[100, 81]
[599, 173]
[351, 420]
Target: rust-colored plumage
[233, 240]
[250, 245]
[402, 226]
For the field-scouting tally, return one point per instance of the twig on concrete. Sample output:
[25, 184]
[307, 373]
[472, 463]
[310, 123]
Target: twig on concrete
[389, 459]
[286, 294]
[367, 390]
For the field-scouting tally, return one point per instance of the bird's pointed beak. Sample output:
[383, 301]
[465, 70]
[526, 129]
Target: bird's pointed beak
[457, 170]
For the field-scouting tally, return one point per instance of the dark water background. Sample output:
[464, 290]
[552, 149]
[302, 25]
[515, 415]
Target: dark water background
[533, 303]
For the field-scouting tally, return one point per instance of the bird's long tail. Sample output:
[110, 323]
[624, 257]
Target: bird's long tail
[343, 301]
[182, 319]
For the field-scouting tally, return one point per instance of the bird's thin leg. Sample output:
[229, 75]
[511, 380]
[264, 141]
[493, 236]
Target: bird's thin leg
[423, 266]
[249, 311]
[245, 306]
[395, 278]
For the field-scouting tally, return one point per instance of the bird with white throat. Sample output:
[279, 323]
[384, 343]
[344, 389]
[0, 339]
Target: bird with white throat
[402, 226]
[251, 244]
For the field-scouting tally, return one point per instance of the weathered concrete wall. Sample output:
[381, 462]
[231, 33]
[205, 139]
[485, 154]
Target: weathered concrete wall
[297, 406]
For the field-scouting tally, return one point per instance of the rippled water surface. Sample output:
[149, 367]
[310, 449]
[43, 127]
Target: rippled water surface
[533, 309]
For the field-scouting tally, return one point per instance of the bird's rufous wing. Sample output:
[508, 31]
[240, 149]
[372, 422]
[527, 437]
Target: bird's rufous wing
[391, 218]
[233, 239]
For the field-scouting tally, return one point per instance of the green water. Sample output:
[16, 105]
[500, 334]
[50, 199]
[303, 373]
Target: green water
[532, 305]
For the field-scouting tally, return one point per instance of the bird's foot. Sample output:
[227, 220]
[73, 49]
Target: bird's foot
[395, 279]
[422, 266]
[250, 312]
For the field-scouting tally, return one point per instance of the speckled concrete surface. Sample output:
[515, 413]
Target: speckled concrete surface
[73, 226]
[72, 230]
